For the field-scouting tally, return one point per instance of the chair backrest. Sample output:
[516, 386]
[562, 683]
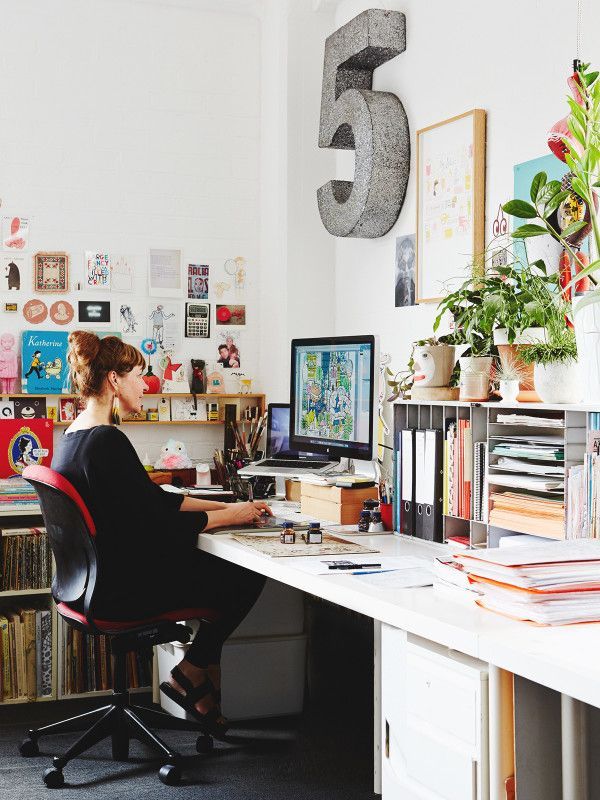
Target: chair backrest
[71, 533]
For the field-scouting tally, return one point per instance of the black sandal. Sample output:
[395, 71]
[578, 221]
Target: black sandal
[212, 721]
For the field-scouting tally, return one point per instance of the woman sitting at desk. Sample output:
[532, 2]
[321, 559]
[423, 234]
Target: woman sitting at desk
[146, 538]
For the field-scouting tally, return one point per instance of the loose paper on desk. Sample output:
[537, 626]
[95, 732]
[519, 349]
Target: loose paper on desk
[404, 577]
[406, 564]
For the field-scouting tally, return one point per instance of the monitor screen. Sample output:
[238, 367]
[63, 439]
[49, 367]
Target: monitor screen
[332, 395]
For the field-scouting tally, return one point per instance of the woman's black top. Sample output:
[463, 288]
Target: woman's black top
[140, 532]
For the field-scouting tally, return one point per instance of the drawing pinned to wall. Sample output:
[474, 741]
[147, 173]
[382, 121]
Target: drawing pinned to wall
[9, 363]
[405, 271]
[132, 319]
[122, 273]
[35, 311]
[450, 203]
[51, 272]
[97, 270]
[221, 287]
[231, 315]
[12, 273]
[228, 351]
[197, 278]
[165, 320]
[164, 274]
[15, 233]
[61, 312]
[235, 268]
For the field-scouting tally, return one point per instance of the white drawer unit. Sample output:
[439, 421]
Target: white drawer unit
[434, 721]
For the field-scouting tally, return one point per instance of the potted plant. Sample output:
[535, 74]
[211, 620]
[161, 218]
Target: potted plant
[431, 365]
[556, 371]
[509, 375]
[567, 211]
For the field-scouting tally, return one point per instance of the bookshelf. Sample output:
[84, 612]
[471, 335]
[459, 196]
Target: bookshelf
[564, 437]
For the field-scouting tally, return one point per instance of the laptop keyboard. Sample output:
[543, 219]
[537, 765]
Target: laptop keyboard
[293, 463]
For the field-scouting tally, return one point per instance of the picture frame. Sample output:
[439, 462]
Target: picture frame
[450, 203]
[51, 272]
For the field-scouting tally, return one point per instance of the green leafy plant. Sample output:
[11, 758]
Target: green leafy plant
[559, 348]
[583, 160]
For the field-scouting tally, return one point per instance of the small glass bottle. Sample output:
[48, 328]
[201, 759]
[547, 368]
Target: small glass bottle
[314, 534]
[287, 535]
[364, 521]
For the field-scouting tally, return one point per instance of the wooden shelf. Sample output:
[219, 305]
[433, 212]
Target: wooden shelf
[24, 592]
[19, 700]
[158, 422]
[101, 693]
[212, 396]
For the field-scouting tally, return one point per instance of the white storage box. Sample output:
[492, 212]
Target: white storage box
[279, 610]
[261, 677]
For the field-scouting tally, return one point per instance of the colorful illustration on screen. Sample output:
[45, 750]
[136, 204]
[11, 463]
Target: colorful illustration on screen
[328, 395]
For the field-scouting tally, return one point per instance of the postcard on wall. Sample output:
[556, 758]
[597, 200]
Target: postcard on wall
[164, 273]
[228, 350]
[13, 273]
[94, 311]
[197, 280]
[51, 272]
[35, 311]
[122, 273]
[165, 324]
[24, 443]
[231, 315]
[44, 362]
[132, 318]
[15, 233]
[97, 270]
[61, 312]
[405, 271]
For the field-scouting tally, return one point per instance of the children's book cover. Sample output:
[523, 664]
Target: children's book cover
[44, 362]
[24, 442]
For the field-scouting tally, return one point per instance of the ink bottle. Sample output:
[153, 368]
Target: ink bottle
[287, 535]
[314, 534]
[376, 525]
[364, 521]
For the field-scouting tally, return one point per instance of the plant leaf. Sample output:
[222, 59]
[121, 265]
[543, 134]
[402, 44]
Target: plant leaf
[554, 203]
[548, 192]
[590, 78]
[520, 209]
[573, 228]
[537, 184]
[526, 231]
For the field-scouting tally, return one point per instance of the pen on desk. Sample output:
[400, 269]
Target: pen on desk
[351, 566]
[372, 571]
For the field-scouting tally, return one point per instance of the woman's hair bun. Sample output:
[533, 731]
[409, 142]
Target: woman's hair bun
[91, 359]
[83, 349]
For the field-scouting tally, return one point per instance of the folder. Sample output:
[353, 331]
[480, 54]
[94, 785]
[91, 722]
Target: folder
[407, 482]
[429, 485]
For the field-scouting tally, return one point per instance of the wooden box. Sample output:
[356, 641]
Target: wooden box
[334, 504]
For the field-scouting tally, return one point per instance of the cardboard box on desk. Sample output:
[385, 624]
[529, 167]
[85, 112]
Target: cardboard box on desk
[334, 504]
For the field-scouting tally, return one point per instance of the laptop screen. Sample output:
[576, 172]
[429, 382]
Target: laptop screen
[278, 434]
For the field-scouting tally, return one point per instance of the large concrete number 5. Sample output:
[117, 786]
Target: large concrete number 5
[374, 124]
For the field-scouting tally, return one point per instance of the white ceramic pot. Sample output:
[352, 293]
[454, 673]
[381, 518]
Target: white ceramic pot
[544, 247]
[558, 382]
[509, 391]
[475, 377]
[433, 365]
[587, 333]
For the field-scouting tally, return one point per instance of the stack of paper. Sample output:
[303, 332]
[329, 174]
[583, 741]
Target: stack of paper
[544, 516]
[554, 584]
[524, 419]
[17, 494]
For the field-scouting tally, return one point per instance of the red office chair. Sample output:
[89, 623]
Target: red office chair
[71, 532]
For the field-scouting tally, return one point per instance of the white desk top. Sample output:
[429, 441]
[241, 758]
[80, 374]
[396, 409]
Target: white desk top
[564, 658]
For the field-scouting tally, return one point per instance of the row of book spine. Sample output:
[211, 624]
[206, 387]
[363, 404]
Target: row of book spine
[25, 559]
[87, 664]
[25, 653]
[458, 469]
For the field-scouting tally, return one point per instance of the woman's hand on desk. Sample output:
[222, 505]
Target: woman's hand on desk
[238, 514]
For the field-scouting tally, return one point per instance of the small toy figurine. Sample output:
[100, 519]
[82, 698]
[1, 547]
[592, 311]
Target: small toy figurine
[9, 368]
[198, 376]
[173, 455]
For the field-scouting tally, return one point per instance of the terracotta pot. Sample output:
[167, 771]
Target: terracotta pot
[509, 354]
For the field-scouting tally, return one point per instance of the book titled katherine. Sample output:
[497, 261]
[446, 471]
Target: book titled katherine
[44, 362]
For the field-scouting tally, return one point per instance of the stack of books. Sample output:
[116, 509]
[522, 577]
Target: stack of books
[17, 495]
[458, 469]
[527, 513]
[549, 584]
[87, 664]
[25, 653]
[25, 559]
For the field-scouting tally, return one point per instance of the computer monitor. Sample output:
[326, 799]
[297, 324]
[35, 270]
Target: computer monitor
[278, 434]
[334, 396]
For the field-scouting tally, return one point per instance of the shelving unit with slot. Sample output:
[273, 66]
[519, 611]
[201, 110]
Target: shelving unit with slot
[567, 434]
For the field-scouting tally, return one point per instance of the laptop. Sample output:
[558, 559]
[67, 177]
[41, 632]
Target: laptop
[281, 459]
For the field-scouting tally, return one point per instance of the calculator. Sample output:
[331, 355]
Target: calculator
[197, 320]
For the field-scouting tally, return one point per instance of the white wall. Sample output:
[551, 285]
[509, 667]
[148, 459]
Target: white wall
[511, 59]
[130, 124]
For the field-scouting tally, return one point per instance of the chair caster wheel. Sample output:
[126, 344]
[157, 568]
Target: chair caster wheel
[54, 778]
[204, 743]
[28, 748]
[169, 774]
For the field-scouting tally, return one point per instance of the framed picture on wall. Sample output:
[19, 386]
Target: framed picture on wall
[450, 203]
[51, 272]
